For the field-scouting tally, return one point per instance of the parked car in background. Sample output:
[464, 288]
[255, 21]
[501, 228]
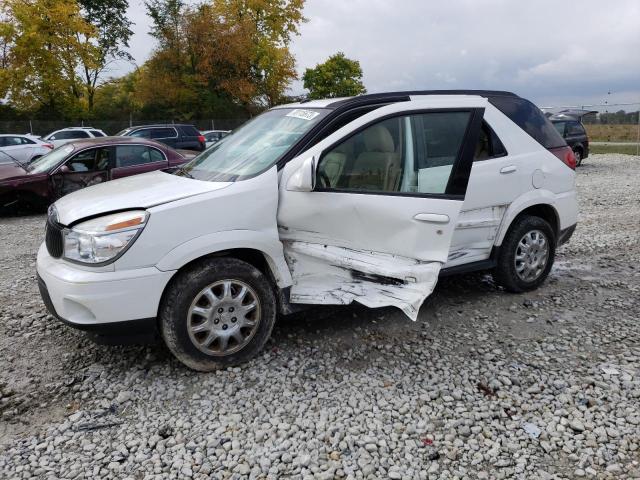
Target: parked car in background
[178, 136]
[66, 135]
[569, 125]
[366, 199]
[214, 136]
[80, 164]
[23, 148]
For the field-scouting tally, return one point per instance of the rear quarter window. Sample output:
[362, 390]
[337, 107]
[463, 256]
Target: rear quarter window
[530, 119]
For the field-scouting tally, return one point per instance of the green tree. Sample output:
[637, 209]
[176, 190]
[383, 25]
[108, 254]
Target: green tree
[112, 31]
[339, 76]
[45, 56]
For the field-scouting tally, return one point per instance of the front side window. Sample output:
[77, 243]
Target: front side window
[407, 154]
[143, 133]
[132, 155]
[83, 162]
[92, 160]
[254, 147]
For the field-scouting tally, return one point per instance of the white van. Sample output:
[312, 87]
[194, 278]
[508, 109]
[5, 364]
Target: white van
[366, 199]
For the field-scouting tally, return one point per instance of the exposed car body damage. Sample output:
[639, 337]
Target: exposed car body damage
[325, 274]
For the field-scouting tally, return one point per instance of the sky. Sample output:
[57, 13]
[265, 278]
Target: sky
[553, 52]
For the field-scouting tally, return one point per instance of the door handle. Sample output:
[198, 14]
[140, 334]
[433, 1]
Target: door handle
[432, 217]
[509, 169]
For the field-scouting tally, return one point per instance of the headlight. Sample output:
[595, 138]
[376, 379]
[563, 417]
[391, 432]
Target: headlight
[103, 239]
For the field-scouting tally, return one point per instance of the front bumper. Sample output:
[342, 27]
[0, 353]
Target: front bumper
[104, 302]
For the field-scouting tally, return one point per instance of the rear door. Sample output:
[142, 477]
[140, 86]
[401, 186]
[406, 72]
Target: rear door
[389, 187]
[86, 168]
[167, 135]
[135, 159]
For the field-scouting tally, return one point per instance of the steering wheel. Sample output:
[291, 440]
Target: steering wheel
[325, 178]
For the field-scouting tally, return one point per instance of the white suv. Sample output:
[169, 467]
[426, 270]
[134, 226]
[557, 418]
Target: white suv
[66, 135]
[365, 199]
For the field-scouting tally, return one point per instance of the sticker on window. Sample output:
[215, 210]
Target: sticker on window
[303, 114]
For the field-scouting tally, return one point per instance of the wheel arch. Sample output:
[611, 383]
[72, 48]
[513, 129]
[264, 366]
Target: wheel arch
[540, 207]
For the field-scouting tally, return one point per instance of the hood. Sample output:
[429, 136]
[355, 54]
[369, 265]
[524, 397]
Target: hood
[11, 170]
[138, 191]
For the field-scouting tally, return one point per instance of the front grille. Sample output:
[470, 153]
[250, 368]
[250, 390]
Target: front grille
[53, 238]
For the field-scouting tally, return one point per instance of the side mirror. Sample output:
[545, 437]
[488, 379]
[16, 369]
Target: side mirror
[64, 169]
[303, 179]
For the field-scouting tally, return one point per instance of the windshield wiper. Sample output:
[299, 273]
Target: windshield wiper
[182, 171]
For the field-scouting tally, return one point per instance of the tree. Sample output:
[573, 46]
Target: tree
[112, 30]
[339, 76]
[219, 56]
[45, 55]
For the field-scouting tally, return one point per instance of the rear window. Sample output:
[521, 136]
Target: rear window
[529, 118]
[96, 133]
[189, 131]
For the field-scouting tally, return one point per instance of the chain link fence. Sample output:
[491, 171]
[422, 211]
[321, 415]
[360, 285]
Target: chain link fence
[111, 127]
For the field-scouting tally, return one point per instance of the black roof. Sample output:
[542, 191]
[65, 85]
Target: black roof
[162, 125]
[405, 96]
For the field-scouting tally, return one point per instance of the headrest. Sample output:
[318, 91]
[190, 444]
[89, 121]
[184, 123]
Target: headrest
[378, 139]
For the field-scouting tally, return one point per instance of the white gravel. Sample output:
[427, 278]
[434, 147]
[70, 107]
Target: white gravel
[484, 385]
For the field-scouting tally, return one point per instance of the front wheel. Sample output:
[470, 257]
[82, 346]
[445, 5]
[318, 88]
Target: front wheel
[526, 255]
[217, 314]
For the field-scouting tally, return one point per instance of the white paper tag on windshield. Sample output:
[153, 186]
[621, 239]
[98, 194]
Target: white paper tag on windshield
[303, 114]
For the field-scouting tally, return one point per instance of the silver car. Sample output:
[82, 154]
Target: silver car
[22, 148]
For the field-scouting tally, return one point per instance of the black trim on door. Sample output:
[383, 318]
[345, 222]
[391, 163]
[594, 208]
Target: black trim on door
[459, 178]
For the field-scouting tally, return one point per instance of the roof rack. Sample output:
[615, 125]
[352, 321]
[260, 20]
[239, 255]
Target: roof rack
[404, 95]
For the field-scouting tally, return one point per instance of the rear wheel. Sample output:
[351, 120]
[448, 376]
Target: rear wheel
[217, 314]
[526, 255]
[578, 154]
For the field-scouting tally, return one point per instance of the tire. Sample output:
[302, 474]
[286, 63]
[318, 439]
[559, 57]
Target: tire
[509, 272]
[578, 154]
[190, 314]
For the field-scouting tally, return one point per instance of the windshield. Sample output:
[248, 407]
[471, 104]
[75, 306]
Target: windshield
[254, 147]
[50, 160]
[123, 133]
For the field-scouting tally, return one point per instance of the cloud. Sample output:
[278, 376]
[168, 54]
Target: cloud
[547, 50]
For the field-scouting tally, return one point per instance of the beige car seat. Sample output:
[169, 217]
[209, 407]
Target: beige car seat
[371, 169]
[333, 164]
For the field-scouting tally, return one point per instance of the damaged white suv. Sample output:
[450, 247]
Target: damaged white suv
[366, 199]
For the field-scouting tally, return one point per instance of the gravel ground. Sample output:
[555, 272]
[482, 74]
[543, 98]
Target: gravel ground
[484, 385]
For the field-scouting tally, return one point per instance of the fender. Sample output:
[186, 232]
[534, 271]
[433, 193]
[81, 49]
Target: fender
[529, 199]
[198, 247]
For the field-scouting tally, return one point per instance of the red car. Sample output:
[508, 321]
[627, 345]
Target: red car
[78, 165]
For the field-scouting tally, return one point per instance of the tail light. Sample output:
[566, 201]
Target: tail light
[201, 139]
[48, 145]
[565, 154]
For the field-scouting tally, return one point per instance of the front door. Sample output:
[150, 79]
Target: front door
[378, 223]
[86, 168]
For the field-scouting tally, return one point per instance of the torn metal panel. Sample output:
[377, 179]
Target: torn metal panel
[474, 235]
[324, 274]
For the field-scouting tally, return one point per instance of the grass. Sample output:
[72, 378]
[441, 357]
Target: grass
[626, 149]
[612, 133]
